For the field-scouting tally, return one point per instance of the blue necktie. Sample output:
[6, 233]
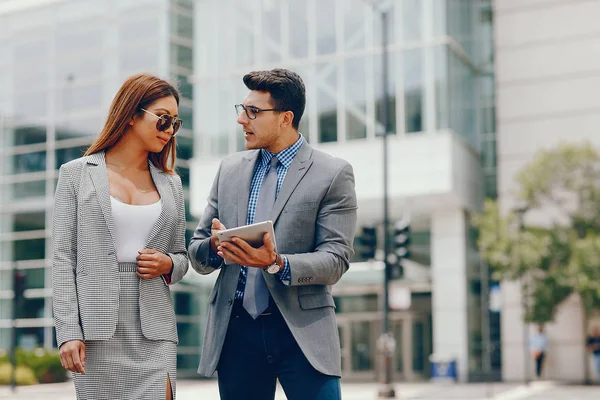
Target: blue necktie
[256, 293]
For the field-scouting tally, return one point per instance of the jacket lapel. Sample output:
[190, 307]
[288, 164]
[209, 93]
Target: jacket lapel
[167, 212]
[245, 174]
[99, 176]
[300, 165]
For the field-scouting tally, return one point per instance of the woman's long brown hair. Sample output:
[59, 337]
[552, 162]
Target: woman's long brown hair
[138, 91]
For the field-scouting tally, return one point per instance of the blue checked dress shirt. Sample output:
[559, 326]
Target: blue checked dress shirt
[285, 160]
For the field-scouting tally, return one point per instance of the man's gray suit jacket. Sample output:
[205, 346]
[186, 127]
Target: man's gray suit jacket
[315, 222]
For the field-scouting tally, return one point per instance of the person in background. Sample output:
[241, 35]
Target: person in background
[118, 242]
[538, 345]
[593, 345]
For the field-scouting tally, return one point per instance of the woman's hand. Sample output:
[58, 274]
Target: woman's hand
[72, 356]
[153, 263]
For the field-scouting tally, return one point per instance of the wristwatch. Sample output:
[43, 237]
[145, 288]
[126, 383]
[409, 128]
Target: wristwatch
[276, 266]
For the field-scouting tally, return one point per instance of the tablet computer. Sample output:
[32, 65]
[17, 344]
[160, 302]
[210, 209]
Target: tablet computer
[253, 234]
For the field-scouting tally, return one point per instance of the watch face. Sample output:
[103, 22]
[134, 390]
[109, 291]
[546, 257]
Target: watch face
[273, 269]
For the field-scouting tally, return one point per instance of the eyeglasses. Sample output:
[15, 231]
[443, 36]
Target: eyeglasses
[252, 112]
[166, 120]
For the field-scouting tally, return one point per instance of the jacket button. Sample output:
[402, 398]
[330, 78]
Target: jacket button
[230, 301]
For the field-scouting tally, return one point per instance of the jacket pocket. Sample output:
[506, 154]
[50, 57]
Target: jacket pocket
[315, 300]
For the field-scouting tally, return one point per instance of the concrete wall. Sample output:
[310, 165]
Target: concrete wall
[548, 75]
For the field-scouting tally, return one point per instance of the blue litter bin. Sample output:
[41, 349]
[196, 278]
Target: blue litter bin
[443, 368]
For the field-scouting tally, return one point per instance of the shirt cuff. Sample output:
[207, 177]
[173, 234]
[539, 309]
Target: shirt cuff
[168, 276]
[285, 275]
[214, 260]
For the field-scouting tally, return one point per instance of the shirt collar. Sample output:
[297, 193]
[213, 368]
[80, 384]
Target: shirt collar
[285, 156]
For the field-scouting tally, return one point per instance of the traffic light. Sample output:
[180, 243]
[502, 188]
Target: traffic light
[368, 242]
[402, 240]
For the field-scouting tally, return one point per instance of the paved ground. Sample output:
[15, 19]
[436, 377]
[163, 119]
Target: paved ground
[207, 390]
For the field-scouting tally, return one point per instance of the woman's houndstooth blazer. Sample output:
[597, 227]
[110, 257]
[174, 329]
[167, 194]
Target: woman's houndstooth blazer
[85, 275]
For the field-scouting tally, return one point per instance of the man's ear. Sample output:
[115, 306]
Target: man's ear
[288, 119]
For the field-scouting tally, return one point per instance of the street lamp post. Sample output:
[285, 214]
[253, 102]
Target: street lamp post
[521, 220]
[386, 342]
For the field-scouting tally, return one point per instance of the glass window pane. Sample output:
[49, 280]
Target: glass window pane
[70, 128]
[418, 335]
[31, 105]
[185, 147]
[271, 40]
[362, 344]
[185, 113]
[72, 71]
[29, 249]
[68, 43]
[298, 29]
[325, 27]
[141, 58]
[29, 162]
[413, 90]
[327, 103]
[31, 221]
[355, 27]
[24, 190]
[356, 98]
[75, 97]
[185, 87]
[26, 135]
[184, 173]
[411, 18]
[139, 30]
[182, 56]
[65, 155]
[183, 25]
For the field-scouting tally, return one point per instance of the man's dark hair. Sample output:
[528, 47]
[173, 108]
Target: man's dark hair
[286, 89]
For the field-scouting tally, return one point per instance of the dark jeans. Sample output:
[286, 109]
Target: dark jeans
[539, 361]
[258, 352]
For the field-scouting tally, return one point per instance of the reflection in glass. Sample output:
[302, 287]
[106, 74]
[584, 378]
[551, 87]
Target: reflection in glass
[325, 27]
[413, 90]
[362, 344]
[356, 98]
[29, 162]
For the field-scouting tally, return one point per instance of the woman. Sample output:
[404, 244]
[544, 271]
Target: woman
[118, 242]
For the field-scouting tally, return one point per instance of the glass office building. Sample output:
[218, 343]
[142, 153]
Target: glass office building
[61, 64]
[442, 148]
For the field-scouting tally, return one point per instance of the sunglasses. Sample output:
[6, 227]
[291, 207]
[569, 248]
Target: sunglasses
[166, 120]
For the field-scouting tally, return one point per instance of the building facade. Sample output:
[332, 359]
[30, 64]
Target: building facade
[62, 63]
[547, 73]
[441, 148]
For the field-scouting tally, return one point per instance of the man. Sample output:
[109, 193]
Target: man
[593, 344]
[538, 345]
[271, 313]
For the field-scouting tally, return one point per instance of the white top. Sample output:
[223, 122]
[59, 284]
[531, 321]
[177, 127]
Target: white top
[133, 225]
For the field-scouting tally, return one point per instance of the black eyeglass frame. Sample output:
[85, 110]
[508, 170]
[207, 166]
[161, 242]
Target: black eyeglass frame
[255, 110]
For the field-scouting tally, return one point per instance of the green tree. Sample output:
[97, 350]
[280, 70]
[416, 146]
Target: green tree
[562, 255]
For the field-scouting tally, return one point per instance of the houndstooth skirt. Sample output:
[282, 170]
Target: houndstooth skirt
[128, 366]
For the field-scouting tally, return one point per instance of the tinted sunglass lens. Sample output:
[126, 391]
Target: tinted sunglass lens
[176, 126]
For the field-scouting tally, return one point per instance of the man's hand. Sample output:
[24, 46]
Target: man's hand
[240, 252]
[153, 263]
[215, 228]
[72, 356]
